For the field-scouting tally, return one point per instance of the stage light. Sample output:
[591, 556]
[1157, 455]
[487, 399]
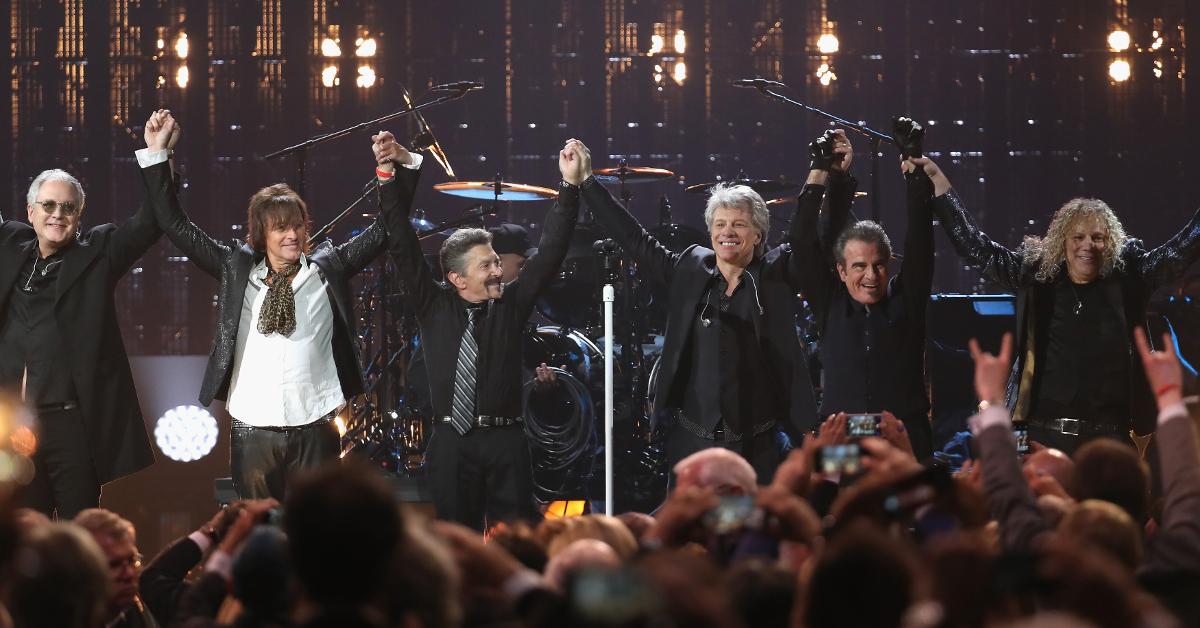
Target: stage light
[1158, 69]
[186, 433]
[1158, 41]
[364, 47]
[1118, 40]
[679, 73]
[330, 48]
[329, 76]
[181, 46]
[366, 76]
[828, 44]
[680, 41]
[1119, 70]
[656, 44]
[181, 76]
[825, 74]
[160, 44]
[566, 508]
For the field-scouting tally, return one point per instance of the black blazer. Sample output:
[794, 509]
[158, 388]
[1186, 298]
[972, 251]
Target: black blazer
[231, 263]
[86, 317]
[686, 276]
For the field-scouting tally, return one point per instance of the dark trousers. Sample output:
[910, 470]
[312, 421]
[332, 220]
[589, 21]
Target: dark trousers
[764, 452]
[64, 478]
[1068, 443]
[483, 475]
[263, 459]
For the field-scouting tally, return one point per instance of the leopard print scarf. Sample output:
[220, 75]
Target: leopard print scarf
[278, 312]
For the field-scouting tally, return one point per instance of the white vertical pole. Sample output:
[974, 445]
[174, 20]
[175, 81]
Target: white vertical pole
[609, 297]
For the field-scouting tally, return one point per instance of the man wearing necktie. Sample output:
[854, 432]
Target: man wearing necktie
[471, 324]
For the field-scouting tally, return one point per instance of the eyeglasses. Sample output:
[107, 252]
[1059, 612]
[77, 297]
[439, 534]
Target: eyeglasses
[133, 560]
[49, 206]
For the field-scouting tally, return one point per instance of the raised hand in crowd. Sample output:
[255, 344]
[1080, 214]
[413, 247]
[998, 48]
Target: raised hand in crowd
[892, 430]
[992, 371]
[1162, 369]
[253, 512]
[681, 518]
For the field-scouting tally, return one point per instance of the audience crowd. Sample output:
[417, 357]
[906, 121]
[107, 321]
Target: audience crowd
[1040, 540]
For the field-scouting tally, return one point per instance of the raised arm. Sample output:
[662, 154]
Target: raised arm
[419, 279]
[654, 259]
[201, 248]
[811, 236]
[557, 228]
[136, 235]
[1011, 501]
[396, 188]
[1175, 547]
[1170, 260]
[994, 261]
[916, 269]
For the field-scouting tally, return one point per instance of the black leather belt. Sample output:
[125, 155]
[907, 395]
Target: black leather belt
[491, 421]
[1076, 427]
[288, 428]
[719, 433]
[60, 406]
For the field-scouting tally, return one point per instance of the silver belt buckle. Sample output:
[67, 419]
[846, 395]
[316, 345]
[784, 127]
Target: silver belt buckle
[1069, 426]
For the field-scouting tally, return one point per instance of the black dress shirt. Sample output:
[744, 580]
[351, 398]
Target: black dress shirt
[1086, 359]
[442, 315]
[727, 350]
[29, 335]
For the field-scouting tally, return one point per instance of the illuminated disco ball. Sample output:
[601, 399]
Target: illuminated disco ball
[186, 433]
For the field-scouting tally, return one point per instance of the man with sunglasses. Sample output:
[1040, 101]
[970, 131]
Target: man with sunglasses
[60, 346]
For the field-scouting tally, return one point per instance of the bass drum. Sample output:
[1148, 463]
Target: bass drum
[568, 348]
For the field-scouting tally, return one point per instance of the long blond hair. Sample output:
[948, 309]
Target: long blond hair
[1050, 251]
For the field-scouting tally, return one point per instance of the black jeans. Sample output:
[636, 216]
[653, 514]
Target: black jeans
[485, 474]
[263, 459]
[64, 478]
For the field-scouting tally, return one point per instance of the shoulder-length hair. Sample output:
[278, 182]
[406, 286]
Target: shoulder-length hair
[1049, 252]
[275, 206]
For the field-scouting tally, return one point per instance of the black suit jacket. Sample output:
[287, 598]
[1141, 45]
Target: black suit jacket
[231, 263]
[162, 582]
[686, 275]
[86, 316]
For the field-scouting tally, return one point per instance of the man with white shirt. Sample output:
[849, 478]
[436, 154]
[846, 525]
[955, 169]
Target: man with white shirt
[285, 355]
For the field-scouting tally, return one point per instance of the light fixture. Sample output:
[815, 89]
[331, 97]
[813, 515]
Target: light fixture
[181, 46]
[1119, 70]
[364, 47]
[329, 76]
[366, 76]
[656, 44]
[679, 73]
[828, 44]
[330, 48]
[1118, 40]
[825, 74]
[186, 433]
[181, 76]
[680, 41]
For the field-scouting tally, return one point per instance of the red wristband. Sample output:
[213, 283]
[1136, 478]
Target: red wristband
[384, 174]
[1164, 389]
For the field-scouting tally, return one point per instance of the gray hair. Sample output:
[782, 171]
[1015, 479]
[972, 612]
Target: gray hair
[746, 199]
[867, 231]
[54, 175]
[454, 250]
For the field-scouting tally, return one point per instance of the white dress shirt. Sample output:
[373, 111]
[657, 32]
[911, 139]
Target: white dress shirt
[285, 381]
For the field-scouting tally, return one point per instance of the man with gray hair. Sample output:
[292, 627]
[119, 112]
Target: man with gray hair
[478, 459]
[60, 346]
[872, 328]
[732, 373]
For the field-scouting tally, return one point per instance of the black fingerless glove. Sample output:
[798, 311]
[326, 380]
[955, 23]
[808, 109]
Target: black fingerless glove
[908, 135]
[820, 152]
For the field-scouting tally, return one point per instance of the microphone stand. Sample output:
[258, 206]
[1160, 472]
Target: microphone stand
[301, 149]
[876, 138]
[472, 215]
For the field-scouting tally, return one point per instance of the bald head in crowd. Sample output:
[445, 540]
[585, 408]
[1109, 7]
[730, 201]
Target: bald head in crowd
[718, 469]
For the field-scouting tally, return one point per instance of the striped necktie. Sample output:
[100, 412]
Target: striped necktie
[463, 408]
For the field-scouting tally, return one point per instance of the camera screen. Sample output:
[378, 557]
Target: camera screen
[860, 425]
[844, 459]
[1022, 435]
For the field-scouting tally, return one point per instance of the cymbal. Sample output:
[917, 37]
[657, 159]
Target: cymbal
[787, 199]
[487, 190]
[768, 188]
[633, 174]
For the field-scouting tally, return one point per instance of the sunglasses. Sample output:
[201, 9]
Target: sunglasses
[50, 207]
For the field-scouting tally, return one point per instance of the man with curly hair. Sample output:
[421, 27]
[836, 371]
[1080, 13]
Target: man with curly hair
[1081, 290]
